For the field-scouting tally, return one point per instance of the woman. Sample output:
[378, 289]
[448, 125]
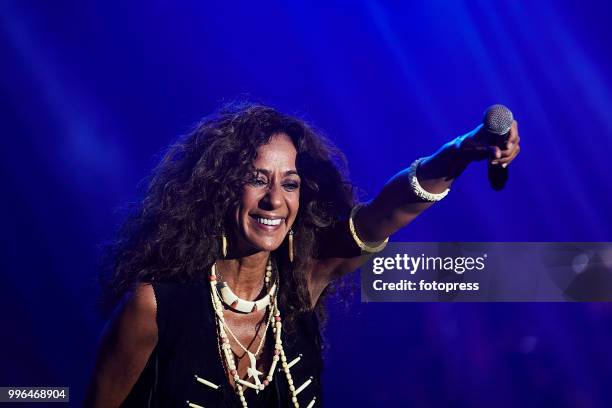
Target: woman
[219, 275]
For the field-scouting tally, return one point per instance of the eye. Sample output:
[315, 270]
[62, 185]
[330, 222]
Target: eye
[258, 182]
[291, 185]
[256, 179]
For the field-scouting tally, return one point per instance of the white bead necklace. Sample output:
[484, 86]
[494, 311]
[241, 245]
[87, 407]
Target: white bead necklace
[279, 352]
[232, 300]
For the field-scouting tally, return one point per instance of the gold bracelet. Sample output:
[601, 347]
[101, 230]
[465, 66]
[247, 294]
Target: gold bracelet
[364, 246]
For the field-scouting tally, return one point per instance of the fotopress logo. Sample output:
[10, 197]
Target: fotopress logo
[489, 272]
[414, 264]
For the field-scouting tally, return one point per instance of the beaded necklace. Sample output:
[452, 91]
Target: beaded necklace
[279, 352]
[235, 303]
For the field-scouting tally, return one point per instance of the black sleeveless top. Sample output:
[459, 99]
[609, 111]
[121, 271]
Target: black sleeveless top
[188, 346]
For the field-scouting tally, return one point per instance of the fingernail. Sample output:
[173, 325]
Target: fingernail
[505, 165]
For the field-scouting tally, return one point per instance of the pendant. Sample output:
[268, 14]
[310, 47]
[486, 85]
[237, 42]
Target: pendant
[241, 305]
[252, 371]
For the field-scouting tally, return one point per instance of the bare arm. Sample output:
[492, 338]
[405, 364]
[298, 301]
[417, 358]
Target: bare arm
[395, 207]
[127, 342]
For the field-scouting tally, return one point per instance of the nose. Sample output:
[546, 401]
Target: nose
[273, 198]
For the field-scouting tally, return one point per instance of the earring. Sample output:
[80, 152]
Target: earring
[290, 245]
[224, 245]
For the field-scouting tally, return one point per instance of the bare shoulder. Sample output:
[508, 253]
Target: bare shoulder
[138, 313]
[142, 299]
[126, 344]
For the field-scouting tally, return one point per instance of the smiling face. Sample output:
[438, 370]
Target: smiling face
[270, 198]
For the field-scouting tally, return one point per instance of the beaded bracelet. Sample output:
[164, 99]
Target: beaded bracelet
[416, 187]
[366, 247]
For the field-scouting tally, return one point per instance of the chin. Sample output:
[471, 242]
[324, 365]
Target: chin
[265, 245]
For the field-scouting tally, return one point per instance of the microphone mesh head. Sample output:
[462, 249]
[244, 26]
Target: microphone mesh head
[498, 119]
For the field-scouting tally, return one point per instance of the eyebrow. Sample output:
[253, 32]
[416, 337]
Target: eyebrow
[287, 173]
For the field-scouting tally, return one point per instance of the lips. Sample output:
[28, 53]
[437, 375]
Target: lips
[267, 223]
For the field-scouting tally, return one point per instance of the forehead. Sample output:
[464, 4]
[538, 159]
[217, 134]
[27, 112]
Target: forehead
[279, 153]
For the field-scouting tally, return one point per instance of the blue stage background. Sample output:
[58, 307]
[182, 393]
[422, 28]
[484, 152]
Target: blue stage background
[92, 92]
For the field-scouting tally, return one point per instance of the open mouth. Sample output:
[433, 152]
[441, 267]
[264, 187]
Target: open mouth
[268, 221]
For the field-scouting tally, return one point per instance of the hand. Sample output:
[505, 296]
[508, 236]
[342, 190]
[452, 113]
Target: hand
[479, 145]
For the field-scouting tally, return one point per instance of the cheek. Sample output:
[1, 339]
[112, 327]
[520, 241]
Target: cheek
[294, 206]
[242, 209]
[250, 198]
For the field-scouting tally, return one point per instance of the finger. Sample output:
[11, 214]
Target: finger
[513, 138]
[504, 154]
[507, 152]
[510, 146]
[504, 162]
[516, 152]
[495, 153]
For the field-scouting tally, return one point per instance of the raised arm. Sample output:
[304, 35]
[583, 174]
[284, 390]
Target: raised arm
[397, 205]
[127, 342]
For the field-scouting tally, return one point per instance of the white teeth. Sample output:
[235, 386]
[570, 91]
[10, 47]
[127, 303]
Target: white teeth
[266, 221]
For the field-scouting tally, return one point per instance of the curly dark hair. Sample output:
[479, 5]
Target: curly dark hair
[173, 234]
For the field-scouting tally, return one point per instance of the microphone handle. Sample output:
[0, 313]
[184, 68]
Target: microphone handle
[498, 175]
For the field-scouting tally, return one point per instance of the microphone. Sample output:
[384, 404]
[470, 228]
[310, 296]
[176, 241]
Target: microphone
[497, 122]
